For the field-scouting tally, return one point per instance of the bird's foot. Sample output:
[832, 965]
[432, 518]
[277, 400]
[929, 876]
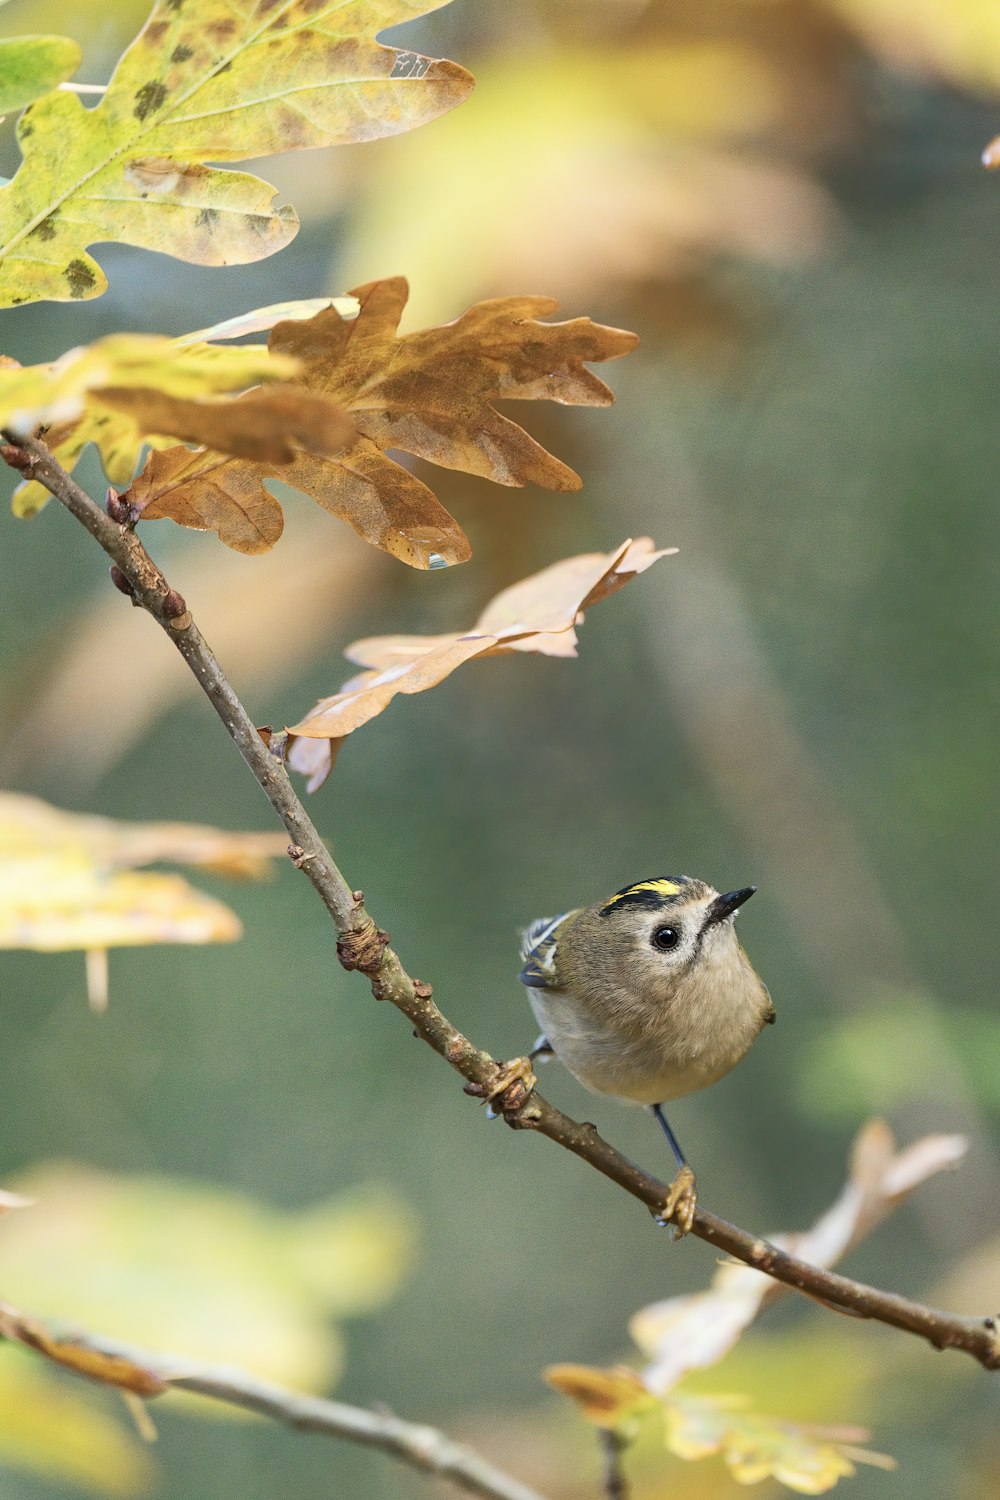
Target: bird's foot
[510, 1088]
[682, 1200]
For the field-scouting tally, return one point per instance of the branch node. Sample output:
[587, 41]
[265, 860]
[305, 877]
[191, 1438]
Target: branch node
[362, 948]
[120, 582]
[118, 509]
[175, 610]
[18, 458]
[422, 990]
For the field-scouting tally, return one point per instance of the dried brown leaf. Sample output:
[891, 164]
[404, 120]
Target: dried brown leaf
[429, 394]
[690, 1333]
[538, 614]
[109, 1369]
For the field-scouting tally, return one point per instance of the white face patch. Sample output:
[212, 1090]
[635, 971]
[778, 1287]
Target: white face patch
[654, 939]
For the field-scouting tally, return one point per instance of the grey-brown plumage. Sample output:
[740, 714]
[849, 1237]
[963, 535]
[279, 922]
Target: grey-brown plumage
[632, 1017]
[648, 995]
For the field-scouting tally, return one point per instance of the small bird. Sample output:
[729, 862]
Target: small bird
[648, 996]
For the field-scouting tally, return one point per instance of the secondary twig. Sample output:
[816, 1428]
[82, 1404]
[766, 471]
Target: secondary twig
[423, 1447]
[362, 946]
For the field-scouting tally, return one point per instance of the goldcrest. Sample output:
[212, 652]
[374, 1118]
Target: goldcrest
[648, 996]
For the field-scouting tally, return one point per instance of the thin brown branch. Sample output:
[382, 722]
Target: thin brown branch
[362, 946]
[422, 1447]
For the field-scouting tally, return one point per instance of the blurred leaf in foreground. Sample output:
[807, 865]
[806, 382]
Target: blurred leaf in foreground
[65, 883]
[958, 40]
[186, 1268]
[29, 825]
[207, 83]
[538, 614]
[65, 1433]
[429, 393]
[130, 388]
[104, 382]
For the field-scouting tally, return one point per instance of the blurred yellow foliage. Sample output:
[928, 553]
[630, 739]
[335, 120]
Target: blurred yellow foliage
[958, 40]
[62, 886]
[186, 1268]
[62, 1431]
[577, 168]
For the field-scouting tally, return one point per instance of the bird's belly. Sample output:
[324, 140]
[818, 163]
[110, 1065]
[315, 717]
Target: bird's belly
[646, 1068]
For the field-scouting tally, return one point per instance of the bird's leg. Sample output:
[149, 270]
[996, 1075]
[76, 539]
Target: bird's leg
[682, 1199]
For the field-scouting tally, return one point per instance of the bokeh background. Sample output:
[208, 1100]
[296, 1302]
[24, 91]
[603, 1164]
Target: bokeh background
[785, 200]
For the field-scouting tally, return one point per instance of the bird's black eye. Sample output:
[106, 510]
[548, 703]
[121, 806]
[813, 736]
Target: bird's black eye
[665, 938]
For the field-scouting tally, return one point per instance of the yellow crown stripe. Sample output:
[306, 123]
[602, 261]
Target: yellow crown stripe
[658, 887]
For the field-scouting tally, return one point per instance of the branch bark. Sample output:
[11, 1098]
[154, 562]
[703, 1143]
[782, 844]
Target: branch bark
[361, 945]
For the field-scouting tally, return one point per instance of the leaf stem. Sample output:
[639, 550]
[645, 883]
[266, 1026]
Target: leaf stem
[362, 946]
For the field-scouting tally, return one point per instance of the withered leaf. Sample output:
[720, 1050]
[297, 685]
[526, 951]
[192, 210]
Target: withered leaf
[429, 394]
[82, 1359]
[538, 614]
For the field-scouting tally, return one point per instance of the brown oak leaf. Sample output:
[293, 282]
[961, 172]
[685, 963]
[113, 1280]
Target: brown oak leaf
[429, 394]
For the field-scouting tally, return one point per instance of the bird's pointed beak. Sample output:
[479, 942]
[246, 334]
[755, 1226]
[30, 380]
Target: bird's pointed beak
[727, 905]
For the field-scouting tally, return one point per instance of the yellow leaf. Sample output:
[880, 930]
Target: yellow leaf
[430, 393]
[189, 1269]
[13, 1200]
[128, 388]
[205, 82]
[63, 1432]
[29, 827]
[538, 614]
[955, 39]
[58, 392]
[65, 883]
[56, 903]
[809, 1460]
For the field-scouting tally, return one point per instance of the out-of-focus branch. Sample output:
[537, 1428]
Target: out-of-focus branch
[361, 945]
[149, 1375]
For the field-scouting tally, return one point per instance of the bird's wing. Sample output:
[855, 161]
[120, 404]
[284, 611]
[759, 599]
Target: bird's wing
[538, 949]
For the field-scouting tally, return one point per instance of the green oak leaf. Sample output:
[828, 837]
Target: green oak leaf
[205, 81]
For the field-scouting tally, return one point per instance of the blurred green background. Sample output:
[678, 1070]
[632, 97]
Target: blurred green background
[785, 201]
